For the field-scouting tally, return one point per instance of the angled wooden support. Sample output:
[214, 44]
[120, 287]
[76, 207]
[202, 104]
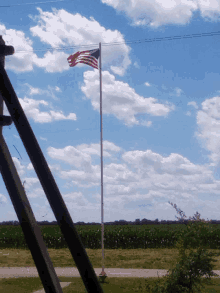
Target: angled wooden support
[24, 212]
[21, 204]
[28, 222]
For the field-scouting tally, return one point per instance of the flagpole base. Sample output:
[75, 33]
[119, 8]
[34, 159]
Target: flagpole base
[102, 277]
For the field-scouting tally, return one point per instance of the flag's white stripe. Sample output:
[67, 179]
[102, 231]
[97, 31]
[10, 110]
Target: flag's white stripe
[86, 61]
[87, 58]
[93, 60]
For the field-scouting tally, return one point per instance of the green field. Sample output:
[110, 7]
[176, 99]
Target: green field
[118, 236]
[14, 253]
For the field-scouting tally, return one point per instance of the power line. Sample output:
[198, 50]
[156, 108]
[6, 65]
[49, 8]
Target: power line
[129, 42]
[17, 151]
[35, 3]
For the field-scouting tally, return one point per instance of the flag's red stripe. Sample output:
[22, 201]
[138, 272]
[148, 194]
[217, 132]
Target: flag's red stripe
[83, 57]
[88, 61]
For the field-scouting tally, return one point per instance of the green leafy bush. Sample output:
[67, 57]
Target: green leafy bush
[187, 275]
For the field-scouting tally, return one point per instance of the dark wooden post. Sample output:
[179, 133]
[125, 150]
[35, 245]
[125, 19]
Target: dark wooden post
[25, 215]
[2, 61]
[49, 185]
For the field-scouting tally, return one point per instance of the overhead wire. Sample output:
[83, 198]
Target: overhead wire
[169, 38]
[135, 41]
[126, 42]
[11, 5]
[111, 43]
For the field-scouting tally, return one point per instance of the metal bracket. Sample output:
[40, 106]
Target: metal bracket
[6, 50]
[5, 120]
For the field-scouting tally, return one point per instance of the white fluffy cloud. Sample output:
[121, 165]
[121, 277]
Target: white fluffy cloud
[210, 9]
[81, 158]
[21, 61]
[194, 104]
[120, 100]
[61, 28]
[138, 170]
[156, 13]
[71, 156]
[3, 199]
[49, 92]
[178, 91]
[175, 164]
[19, 166]
[136, 65]
[31, 109]
[209, 128]
[140, 176]
[52, 62]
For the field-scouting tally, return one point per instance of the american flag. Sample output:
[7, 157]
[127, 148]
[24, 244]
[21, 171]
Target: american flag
[89, 57]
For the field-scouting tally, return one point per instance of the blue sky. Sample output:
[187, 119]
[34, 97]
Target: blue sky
[161, 107]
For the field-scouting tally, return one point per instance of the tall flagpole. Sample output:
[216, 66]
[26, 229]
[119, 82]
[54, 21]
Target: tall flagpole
[102, 204]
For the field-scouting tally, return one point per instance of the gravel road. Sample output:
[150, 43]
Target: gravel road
[13, 272]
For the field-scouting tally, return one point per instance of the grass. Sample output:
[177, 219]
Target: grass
[116, 285]
[150, 258]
